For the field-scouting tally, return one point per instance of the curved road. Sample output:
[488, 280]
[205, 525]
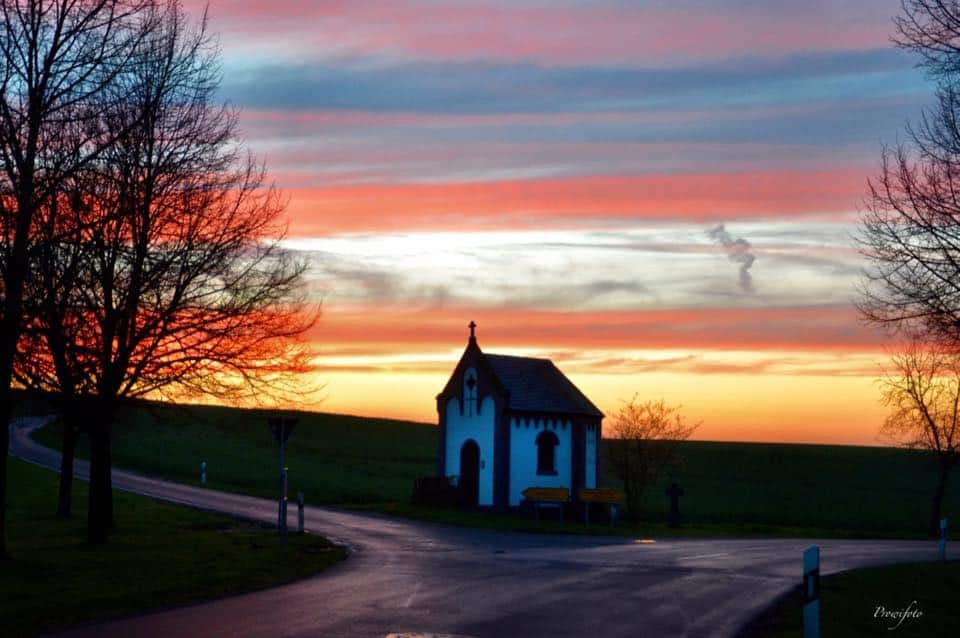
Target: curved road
[405, 576]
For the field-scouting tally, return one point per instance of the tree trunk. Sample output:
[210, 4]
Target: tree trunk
[65, 496]
[100, 511]
[4, 446]
[9, 331]
[938, 495]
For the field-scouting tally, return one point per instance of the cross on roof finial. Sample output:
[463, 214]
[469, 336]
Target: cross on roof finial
[472, 328]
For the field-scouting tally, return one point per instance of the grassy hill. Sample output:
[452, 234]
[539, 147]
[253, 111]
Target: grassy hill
[333, 459]
[345, 460]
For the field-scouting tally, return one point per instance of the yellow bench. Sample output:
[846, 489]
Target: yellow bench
[603, 495]
[606, 495]
[546, 497]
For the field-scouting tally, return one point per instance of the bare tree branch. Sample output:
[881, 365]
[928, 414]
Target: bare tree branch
[910, 228]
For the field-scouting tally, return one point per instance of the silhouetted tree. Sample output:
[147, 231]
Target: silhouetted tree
[646, 436]
[57, 60]
[182, 288]
[910, 235]
[922, 389]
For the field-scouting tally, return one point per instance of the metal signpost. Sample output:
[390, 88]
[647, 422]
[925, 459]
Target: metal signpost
[300, 512]
[943, 539]
[282, 428]
[282, 523]
[811, 592]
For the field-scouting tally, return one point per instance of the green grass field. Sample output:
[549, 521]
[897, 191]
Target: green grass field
[877, 490]
[333, 459]
[849, 603]
[54, 580]
[352, 461]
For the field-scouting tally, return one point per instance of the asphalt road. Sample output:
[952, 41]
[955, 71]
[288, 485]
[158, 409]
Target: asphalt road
[405, 576]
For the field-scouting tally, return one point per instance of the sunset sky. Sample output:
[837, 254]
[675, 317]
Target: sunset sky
[553, 171]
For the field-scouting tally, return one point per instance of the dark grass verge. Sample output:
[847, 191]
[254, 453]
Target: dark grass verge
[864, 602]
[159, 556]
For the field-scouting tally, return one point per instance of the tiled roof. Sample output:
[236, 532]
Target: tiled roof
[537, 385]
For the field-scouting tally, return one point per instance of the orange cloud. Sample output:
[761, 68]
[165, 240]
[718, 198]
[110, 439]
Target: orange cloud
[829, 328]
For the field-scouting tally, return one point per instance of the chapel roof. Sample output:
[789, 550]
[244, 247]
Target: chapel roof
[537, 385]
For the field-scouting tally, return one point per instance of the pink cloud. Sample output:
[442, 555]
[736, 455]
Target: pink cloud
[554, 34]
[573, 202]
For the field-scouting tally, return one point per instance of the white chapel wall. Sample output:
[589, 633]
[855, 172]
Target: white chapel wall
[479, 427]
[523, 455]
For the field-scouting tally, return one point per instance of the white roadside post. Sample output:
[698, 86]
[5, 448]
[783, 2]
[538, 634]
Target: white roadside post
[811, 592]
[943, 539]
[203, 473]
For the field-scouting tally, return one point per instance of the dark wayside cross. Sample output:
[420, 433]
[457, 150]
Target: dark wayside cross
[674, 492]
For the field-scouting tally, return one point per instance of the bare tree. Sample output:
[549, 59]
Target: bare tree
[646, 441]
[922, 390]
[178, 284]
[910, 235]
[57, 59]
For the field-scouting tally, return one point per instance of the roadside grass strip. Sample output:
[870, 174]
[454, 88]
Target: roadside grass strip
[159, 556]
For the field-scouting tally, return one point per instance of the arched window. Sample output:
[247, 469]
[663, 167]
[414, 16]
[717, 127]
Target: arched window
[470, 392]
[547, 443]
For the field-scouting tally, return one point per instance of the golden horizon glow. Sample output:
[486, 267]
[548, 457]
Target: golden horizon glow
[838, 408]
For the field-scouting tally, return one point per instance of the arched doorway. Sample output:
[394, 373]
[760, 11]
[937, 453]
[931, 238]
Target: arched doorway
[470, 473]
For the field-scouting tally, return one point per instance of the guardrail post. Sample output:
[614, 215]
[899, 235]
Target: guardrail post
[283, 506]
[300, 512]
[811, 592]
[943, 539]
